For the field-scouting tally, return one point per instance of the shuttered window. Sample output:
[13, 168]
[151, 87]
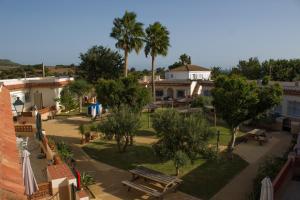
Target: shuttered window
[294, 108]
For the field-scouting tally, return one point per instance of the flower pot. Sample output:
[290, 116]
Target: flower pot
[82, 141]
[57, 160]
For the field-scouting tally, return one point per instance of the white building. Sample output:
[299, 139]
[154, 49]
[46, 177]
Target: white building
[40, 91]
[181, 82]
[188, 72]
[290, 104]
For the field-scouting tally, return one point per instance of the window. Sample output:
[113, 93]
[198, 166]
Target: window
[278, 109]
[27, 97]
[294, 108]
[206, 93]
[180, 93]
[194, 76]
[171, 75]
[159, 93]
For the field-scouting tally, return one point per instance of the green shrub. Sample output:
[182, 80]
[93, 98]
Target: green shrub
[64, 151]
[270, 168]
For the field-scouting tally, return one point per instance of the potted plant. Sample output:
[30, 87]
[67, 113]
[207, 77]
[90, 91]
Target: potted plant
[51, 143]
[57, 159]
[82, 130]
[86, 180]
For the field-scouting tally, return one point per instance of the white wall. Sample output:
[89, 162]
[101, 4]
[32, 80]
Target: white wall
[200, 75]
[49, 94]
[177, 75]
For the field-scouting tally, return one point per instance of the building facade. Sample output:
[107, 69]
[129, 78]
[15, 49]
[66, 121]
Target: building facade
[41, 92]
[181, 82]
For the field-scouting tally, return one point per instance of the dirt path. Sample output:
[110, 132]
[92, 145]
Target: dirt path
[240, 186]
[108, 178]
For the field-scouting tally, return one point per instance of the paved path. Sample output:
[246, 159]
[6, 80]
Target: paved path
[108, 178]
[240, 186]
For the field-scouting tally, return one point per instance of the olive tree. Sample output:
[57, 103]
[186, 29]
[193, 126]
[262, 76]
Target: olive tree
[181, 139]
[237, 100]
[121, 125]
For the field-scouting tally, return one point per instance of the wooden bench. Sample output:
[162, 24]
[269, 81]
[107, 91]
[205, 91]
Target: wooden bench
[142, 188]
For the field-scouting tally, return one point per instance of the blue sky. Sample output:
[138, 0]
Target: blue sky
[212, 32]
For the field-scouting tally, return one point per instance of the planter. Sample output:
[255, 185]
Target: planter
[82, 141]
[57, 160]
[87, 137]
[52, 146]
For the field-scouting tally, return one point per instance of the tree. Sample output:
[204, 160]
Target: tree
[184, 59]
[251, 69]
[100, 62]
[157, 43]
[114, 93]
[129, 35]
[80, 88]
[238, 100]
[181, 139]
[67, 99]
[122, 125]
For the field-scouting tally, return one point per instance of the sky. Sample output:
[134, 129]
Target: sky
[212, 32]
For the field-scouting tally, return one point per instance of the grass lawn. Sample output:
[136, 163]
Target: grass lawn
[202, 179]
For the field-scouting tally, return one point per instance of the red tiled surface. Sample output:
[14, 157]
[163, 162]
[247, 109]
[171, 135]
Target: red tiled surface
[60, 171]
[11, 181]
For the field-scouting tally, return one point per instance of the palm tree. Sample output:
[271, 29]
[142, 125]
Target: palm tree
[129, 35]
[157, 43]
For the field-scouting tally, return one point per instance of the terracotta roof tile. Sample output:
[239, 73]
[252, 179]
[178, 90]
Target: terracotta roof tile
[184, 68]
[11, 181]
[60, 171]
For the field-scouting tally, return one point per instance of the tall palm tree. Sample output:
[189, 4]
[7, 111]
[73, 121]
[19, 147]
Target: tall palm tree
[157, 43]
[129, 35]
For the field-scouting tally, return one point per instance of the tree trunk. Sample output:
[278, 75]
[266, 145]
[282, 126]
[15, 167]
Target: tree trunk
[177, 171]
[153, 77]
[232, 142]
[131, 140]
[126, 143]
[118, 143]
[126, 63]
[80, 104]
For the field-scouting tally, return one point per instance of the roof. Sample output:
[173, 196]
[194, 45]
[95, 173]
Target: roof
[185, 68]
[60, 171]
[11, 181]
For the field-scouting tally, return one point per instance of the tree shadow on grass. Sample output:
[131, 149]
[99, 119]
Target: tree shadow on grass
[207, 179]
[145, 132]
[108, 153]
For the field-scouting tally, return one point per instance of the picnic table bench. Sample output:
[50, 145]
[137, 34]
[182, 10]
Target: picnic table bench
[257, 135]
[168, 183]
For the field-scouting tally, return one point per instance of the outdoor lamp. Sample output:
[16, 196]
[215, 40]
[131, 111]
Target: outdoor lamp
[19, 105]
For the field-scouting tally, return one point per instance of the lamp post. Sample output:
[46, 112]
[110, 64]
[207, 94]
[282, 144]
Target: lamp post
[19, 106]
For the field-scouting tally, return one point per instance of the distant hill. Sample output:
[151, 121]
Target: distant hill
[7, 64]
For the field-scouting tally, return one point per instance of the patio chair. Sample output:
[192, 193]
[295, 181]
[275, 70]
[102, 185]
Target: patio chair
[25, 143]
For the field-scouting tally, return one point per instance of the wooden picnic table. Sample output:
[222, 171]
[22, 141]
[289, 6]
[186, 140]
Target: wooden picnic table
[257, 135]
[167, 182]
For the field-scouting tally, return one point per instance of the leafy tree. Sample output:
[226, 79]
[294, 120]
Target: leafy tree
[80, 88]
[114, 93]
[67, 99]
[157, 43]
[122, 124]
[215, 72]
[129, 35]
[184, 59]
[100, 62]
[238, 100]
[251, 69]
[181, 139]
[201, 102]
